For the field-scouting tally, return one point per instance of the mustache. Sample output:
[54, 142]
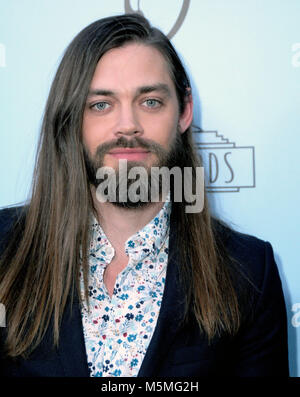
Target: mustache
[131, 143]
[175, 155]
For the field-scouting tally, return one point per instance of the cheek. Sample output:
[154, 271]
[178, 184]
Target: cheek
[85, 129]
[162, 130]
[90, 134]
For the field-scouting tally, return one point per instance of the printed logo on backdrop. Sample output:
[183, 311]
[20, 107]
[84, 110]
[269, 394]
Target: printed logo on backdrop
[129, 9]
[229, 167]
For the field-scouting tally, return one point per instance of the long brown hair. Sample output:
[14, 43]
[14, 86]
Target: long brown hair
[39, 270]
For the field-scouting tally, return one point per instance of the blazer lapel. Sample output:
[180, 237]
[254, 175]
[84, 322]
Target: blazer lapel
[170, 315]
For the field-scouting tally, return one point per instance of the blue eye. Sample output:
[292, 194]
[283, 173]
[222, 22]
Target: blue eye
[100, 106]
[153, 103]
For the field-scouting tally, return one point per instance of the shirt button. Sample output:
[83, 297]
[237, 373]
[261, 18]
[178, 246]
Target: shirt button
[109, 250]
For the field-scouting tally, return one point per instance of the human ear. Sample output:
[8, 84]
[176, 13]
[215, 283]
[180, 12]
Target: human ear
[186, 118]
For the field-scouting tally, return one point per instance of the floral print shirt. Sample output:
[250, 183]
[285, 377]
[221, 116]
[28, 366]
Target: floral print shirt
[118, 329]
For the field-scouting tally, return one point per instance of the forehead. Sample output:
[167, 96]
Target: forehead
[133, 65]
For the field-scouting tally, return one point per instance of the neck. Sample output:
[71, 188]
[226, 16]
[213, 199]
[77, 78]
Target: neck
[120, 223]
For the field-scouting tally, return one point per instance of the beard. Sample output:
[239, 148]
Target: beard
[147, 185]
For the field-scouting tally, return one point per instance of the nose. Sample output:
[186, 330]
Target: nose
[128, 123]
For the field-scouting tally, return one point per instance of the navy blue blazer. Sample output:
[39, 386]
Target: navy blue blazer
[179, 348]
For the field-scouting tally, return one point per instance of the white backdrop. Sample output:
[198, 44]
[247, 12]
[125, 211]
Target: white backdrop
[244, 62]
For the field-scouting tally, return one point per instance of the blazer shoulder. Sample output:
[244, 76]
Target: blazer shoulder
[259, 288]
[237, 241]
[254, 256]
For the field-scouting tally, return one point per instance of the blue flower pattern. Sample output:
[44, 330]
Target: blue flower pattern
[118, 329]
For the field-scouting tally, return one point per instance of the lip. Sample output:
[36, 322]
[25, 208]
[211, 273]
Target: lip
[128, 150]
[134, 154]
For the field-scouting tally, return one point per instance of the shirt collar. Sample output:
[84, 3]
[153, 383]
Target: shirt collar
[147, 241]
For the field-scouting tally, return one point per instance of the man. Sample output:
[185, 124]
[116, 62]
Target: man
[124, 287]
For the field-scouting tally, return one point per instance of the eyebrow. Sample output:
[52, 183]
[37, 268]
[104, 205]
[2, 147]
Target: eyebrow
[160, 87]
